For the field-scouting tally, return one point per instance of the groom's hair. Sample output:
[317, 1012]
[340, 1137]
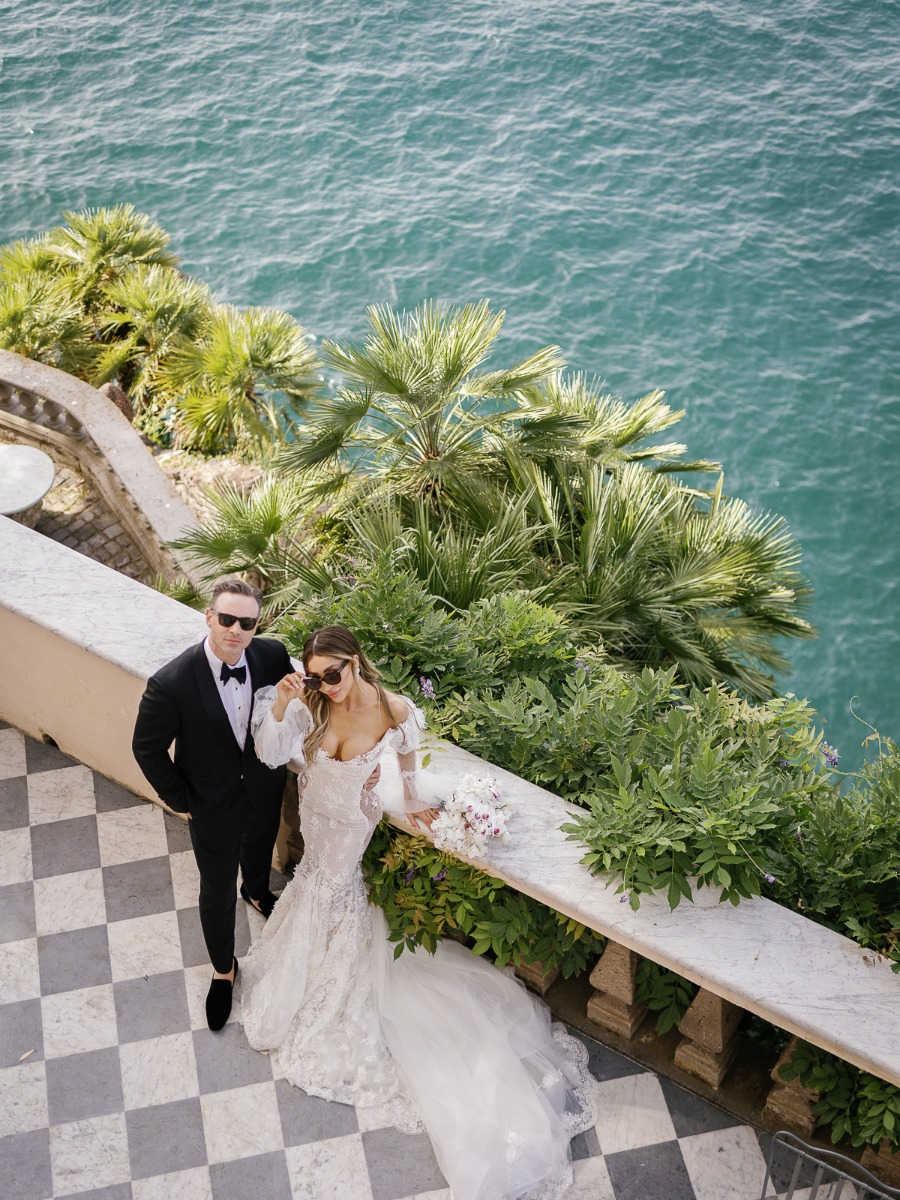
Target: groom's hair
[237, 587]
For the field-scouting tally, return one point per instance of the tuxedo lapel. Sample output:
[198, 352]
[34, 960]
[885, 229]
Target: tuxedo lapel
[209, 694]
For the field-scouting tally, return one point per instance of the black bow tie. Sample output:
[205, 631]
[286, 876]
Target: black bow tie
[238, 673]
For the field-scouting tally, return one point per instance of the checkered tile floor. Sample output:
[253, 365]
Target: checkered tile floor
[112, 1087]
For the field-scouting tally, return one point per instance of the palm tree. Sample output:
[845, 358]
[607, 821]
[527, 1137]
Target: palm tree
[28, 256]
[567, 419]
[99, 245]
[225, 383]
[64, 277]
[459, 562]
[149, 310]
[40, 320]
[415, 411]
[265, 537]
[664, 577]
[422, 451]
[414, 417]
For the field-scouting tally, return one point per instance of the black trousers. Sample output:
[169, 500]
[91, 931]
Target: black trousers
[239, 835]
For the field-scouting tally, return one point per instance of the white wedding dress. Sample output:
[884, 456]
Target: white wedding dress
[445, 1041]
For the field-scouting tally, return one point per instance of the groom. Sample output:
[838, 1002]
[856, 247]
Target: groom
[202, 701]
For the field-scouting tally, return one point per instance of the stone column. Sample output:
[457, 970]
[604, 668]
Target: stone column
[789, 1103]
[537, 978]
[884, 1163]
[709, 1043]
[613, 1005]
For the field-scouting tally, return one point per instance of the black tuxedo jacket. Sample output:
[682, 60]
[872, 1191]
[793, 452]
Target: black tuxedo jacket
[182, 705]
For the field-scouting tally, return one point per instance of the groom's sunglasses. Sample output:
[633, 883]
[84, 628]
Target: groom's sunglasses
[332, 677]
[246, 623]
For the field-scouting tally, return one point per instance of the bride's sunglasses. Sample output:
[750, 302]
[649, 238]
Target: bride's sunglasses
[332, 677]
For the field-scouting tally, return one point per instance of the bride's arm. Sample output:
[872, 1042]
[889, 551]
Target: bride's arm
[417, 811]
[411, 722]
[280, 722]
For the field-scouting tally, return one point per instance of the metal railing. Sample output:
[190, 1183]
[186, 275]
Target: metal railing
[798, 1171]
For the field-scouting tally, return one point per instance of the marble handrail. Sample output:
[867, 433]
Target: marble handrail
[80, 640]
[759, 955]
[56, 410]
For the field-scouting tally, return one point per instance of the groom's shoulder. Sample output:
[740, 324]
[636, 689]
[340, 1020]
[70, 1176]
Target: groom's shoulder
[270, 649]
[175, 669]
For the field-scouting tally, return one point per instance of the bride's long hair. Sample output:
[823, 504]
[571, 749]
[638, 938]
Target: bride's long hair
[337, 642]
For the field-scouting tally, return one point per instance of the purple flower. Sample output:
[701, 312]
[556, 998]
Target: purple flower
[831, 755]
[624, 899]
[427, 687]
[769, 878]
[440, 877]
[409, 875]
[784, 762]
[583, 666]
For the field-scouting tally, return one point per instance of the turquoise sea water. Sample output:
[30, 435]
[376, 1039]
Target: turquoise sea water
[688, 195]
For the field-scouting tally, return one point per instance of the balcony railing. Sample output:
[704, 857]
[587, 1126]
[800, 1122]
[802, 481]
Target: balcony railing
[77, 425]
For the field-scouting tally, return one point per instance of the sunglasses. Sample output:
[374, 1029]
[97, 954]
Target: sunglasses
[332, 677]
[246, 623]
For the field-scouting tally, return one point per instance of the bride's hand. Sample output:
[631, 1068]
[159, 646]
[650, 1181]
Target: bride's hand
[287, 689]
[426, 816]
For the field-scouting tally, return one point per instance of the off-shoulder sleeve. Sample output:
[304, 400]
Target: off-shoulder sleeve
[406, 741]
[407, 735]
[278, 742]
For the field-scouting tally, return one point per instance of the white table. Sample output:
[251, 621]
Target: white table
[26, 476]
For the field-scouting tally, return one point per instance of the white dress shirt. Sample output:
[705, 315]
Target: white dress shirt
[236, 697]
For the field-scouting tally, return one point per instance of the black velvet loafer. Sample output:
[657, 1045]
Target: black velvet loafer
[263, 905]
[218, 1000]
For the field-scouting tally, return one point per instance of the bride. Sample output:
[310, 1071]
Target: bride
[444, 1042]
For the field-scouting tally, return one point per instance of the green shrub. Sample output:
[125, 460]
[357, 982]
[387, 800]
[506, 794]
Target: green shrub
[560, 741]
[520, 637]
[411, 638]
[702, 790]
[704, 786]
[399, 625]
[841, 864]
[852, 1104]
[426, 895]
[665, 992]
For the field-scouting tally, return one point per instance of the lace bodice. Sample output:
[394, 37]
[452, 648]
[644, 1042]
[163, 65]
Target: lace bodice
[338, 814]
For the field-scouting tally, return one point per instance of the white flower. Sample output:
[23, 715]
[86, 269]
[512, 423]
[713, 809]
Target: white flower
[471, 817]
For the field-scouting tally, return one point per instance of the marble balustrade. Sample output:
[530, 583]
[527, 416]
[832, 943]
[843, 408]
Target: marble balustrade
[80, 640]
[79, 426]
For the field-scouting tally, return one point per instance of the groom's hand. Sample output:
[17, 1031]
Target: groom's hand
[372, 781]
[287, 689]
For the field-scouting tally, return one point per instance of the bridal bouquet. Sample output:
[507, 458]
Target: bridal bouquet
[473, 814]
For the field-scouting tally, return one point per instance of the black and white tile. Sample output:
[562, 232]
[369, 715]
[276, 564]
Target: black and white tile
[112, 1087]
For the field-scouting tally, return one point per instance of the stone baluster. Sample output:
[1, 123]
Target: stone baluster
[537, 978]
[31, 406]
[883, 1163]
[613, 1005]
[72, 427]
[789, 1103]
[55, 416]
[709, 1041]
